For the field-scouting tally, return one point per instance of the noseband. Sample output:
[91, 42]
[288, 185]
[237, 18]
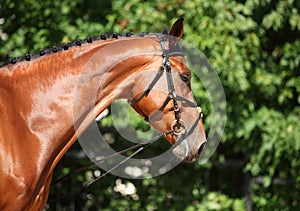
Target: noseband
[178, 125]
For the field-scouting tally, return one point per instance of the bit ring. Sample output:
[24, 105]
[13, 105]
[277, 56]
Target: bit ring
[178, 127]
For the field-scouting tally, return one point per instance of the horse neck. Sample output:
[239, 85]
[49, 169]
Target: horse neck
[39, 98]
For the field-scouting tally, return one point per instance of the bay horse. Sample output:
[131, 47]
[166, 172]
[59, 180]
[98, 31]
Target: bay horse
[37, 104]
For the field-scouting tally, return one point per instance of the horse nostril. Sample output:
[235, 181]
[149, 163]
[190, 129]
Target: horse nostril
[201, 148]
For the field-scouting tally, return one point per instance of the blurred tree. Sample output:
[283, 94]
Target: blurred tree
[31, 25]
[255, 48]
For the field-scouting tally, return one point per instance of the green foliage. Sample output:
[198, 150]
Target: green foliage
[33, 25]
[217, 201]
[255, 48]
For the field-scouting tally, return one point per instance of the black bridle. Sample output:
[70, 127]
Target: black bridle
[177, 127]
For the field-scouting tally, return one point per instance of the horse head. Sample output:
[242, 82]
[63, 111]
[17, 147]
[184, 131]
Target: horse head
[167, 101]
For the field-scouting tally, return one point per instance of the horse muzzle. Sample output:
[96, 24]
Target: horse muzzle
[188, 148]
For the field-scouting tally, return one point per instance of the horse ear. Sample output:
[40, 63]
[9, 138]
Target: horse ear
[177, 28]
[176, 33]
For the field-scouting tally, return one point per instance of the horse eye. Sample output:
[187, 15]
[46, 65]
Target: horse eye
[185, 78]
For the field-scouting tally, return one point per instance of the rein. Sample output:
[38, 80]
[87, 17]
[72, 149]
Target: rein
[140, 146]
[177, 127]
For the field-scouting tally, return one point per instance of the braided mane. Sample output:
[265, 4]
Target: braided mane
[67, 46]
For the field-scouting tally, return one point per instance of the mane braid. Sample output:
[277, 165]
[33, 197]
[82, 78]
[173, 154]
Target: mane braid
[67, 46]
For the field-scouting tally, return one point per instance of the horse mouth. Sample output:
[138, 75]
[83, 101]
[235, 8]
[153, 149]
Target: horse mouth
[187, 153]
[191, 159]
